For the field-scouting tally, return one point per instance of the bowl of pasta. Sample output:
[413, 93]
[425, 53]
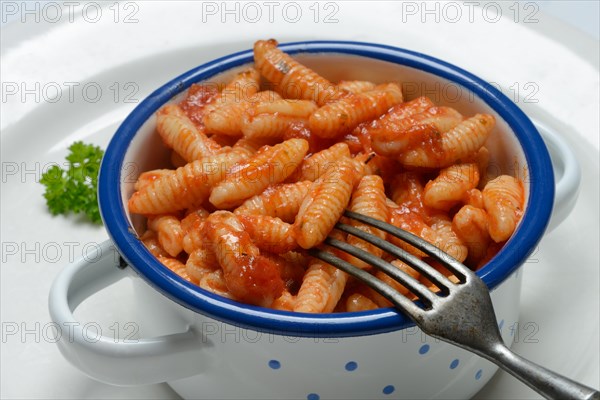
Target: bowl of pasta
[215, 186]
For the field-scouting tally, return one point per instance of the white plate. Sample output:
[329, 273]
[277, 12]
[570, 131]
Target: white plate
[559, 325]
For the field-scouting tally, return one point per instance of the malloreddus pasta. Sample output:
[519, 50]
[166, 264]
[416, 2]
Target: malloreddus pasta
[264, 168]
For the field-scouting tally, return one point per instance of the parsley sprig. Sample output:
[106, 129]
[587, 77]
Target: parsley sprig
[74, 189]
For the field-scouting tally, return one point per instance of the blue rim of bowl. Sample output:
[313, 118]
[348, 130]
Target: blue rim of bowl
[519, 247]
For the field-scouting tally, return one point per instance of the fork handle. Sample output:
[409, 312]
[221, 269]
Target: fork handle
[549, 384]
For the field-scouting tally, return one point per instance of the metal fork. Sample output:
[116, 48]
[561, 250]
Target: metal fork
[460, 313]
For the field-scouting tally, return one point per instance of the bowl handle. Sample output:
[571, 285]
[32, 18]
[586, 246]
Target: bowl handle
[567, 174]
[106, 359]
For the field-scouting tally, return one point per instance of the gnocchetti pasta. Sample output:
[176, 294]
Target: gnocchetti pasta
[264, 167]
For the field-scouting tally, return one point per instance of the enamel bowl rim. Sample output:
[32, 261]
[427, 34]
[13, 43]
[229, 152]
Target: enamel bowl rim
[514, 253]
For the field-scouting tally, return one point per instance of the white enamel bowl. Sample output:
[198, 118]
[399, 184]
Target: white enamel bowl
[205, 346]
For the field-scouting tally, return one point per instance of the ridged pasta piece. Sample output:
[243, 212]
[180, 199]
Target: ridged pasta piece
[482, 159]
[250, 277]
[272, 119]
[223, 115]
[290, 78]
[201, 261]
[358, 163]
[192, 217]
[179, 133]
[194, 238]
[176, 266]
[368, 199]
[148, 177]
[285, 302]
[449, 242]
[391, 137]
[215, 283]
[170, 234]
[268, 126]
[356, 86]
[343, 115]
[357, 302]
[184, 187]
[317, 164]
[225, 120]
[292, 108]
[471, 225]
[150, 241]
[321, 288]
[324, 204]
[399, 112]
[503, 199]
[269, 233]
[282, 201]
[388, 121]
[263, 97]
[243, 86]
[271, 165]
[247, 146]
[458, 143]
[451, 186]
[192, 226]
[229, 119]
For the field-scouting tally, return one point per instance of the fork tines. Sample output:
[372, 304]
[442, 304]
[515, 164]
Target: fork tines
[427, 297]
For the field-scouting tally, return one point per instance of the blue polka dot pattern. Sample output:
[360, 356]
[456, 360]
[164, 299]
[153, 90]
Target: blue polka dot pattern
[454, 363]
[478, 374]
[351, 366]
[424, 349]
[389, 389]
[274, 364]
[313, 396]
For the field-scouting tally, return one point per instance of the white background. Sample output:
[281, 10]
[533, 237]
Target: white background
[558, 59]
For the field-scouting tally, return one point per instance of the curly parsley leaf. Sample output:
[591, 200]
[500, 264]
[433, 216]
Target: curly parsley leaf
[74, 189]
